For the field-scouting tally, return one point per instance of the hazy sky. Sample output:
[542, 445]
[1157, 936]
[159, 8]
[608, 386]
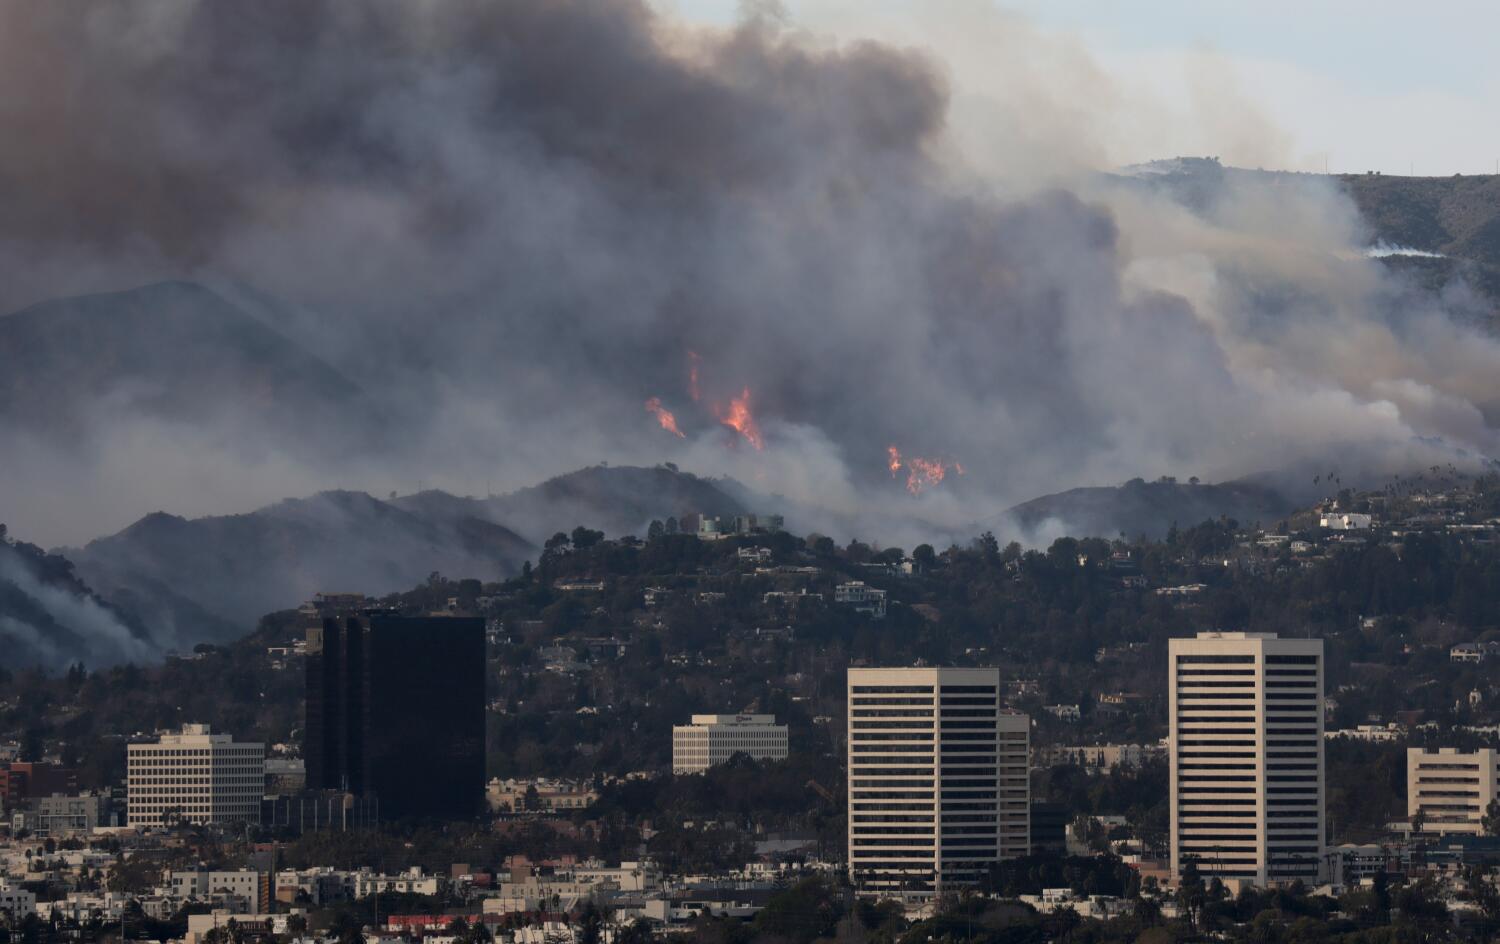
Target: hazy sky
[1364, 85]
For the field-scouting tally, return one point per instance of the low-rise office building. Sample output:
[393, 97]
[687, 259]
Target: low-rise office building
[713, 739]
[1448, 791]
[195, 776]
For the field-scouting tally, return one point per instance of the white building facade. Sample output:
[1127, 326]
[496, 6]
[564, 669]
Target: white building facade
[17, 901]
[713, 739]
[938, 780]
[1450, 790]
[195, 776]
[1246, 749]
[202, 885]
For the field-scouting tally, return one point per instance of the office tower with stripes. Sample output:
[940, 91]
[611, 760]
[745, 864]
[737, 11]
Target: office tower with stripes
[938, 786]
[1246, 736]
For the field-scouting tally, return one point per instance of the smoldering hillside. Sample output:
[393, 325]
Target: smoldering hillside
[500, 229]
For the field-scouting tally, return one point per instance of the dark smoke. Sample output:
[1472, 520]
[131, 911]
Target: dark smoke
[509, 223]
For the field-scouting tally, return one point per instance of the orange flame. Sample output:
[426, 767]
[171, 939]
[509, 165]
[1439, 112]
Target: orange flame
[663, 416]
[924, 473]
[920, 473]
[739, 418]
[693, 375]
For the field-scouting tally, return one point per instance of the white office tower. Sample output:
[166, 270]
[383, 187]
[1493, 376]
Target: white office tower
[713, 739]
[1247, 757]
[1448, 790]
[195, 777]
[938, 787]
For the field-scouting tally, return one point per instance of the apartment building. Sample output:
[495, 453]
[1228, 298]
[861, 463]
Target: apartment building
[61, 814]
[1246, 750]
[713, 739]
[195, 776]
[251, 888]
[1449, 790]
[938, 786]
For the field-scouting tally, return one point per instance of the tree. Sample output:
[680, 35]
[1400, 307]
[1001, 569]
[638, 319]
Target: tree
[1191, 895]
[584, 538]
[655, 530]
[33, 745]
[636, 932]
[1492, 818]
[590, 924]
[803, 913]
[924, 556]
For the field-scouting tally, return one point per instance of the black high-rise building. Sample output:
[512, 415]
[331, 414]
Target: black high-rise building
[395, 710]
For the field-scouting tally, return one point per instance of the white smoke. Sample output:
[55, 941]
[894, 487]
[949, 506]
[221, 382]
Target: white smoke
[97, 637]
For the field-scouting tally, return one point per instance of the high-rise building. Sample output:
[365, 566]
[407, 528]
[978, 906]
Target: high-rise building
[195, 776]
[1449, 790]
[1246, 723]
[395, 711]
[938, 786]
[713, 739]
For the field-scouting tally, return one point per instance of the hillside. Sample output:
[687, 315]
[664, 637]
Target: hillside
[1453, 223]
[1458, 218]
[1140, 508]
[614, 499]
[51, 619]
[209, 579]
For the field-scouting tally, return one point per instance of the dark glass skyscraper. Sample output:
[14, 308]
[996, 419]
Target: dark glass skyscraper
[395, 709]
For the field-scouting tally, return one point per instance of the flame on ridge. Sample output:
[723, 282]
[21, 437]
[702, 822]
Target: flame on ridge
[664, 416]
[739, 418]
[920, 473]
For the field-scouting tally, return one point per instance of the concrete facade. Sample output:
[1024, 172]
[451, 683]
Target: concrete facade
[1246, 750]
[938, 780]
[197, 775]
[1450, 789]
[713, 739]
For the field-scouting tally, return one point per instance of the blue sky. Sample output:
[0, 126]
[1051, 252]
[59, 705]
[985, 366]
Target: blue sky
[1372, 85]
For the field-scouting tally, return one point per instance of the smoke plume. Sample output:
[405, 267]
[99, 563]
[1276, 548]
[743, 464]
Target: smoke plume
[512, 224]
[51, 624]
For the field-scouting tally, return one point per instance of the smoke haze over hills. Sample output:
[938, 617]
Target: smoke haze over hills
[482, 236]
